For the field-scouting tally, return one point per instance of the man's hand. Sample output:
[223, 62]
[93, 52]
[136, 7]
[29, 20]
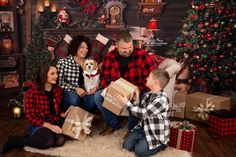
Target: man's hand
[81, 92]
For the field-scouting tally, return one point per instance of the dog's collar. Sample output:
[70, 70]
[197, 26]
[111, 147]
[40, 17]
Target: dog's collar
[92, 74]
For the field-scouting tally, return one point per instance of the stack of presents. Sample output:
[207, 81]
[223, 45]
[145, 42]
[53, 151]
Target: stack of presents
[207, 108]
[78, 121]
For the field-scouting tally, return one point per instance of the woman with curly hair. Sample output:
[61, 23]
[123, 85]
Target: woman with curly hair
[71, 75]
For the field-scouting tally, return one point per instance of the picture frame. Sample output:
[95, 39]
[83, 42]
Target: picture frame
[6, 21]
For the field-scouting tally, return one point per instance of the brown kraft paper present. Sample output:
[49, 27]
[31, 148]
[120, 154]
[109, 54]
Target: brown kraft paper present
[198, 105]
[178, 108]
[121, 87]
[77, 123]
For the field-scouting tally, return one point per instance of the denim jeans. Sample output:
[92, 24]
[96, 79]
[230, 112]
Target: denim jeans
[71, 98]
[110, 118]
[136, 142]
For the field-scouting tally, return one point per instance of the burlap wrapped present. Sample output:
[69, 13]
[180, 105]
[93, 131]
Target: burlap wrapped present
[77, 123]
[199, 105]
[178, 106]
[121, 87]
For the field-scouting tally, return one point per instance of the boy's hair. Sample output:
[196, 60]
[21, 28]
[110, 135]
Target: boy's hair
[124, 36]
[162, 76]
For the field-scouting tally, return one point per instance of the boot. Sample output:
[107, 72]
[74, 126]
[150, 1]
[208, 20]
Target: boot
[12, 143]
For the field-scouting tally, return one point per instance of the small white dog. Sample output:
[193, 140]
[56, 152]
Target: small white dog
[91, 74]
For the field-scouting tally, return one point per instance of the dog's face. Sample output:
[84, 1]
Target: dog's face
[90, 65]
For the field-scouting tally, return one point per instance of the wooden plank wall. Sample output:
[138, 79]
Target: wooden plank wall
[170, 21]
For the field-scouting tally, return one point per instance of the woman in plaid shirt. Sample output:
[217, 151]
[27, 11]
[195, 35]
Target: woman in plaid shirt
[42, 110]
[71, 78]
[151, 135]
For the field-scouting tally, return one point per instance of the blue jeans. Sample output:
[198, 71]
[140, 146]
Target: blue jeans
[136, 142]
[110, 118]
[71, 98]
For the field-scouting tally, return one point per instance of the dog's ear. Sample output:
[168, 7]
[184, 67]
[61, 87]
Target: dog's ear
[95, 64]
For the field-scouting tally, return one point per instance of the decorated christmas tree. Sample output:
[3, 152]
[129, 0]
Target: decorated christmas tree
[35, 54]
[207, 42]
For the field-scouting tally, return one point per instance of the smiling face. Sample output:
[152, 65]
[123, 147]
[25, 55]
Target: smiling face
[52, 75]
[82, 50]
[125, 49]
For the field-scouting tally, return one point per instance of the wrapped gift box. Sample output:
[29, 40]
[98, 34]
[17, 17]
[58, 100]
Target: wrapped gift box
[77, 123]
[121, 87]
[198, 105]
[222, 122]
[183, 138]
[178, 108]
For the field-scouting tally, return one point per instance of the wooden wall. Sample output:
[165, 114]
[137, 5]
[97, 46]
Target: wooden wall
[170, 21]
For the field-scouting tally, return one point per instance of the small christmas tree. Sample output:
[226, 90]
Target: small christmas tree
[207, 42]
[35, 54]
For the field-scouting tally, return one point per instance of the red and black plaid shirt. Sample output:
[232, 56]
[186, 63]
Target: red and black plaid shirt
[37, 106]
[139, 67]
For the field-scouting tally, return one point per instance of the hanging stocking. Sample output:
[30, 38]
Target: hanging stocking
[61, 50]
[51, 42]
[98, 47]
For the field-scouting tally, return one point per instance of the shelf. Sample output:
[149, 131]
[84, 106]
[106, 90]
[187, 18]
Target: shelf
[11, 61]
[149, 9]
[11, 55]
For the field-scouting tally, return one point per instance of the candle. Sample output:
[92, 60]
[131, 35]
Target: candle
[40, 8]
[54, 8]
[46, 3]
[16, 112]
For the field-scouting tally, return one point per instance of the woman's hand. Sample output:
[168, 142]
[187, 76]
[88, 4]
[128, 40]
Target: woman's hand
[93, 90]
[52, 127]
[81, 92]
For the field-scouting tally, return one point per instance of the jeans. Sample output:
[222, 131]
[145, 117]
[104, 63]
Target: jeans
[71, 98]
[137, 143]
[110, 118]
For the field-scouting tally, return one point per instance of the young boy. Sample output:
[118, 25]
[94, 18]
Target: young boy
[151, 135]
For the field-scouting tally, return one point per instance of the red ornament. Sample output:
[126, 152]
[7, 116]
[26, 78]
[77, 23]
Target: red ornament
[222, 56]
[219, 11]
[202, 6]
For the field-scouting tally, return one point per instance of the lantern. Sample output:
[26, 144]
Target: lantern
[152, 24]
[16, 109]
[7, 45]
[4, 3]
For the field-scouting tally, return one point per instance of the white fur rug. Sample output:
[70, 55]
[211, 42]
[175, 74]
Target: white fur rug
[101, 146]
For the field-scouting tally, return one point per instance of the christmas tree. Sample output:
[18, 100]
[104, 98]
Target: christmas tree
[207, 42]
[35, 54]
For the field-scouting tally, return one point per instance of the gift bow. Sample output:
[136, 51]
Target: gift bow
[203, 110]
[81, 125]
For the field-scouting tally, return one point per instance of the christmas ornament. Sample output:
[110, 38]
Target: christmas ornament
[63, 18]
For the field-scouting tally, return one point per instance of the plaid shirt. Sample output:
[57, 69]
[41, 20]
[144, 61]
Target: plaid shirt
[69, 73]
[37, 106]
[139, 67]
[154, 112]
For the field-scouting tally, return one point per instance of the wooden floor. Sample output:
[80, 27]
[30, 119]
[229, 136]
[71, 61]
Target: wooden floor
[207, 145]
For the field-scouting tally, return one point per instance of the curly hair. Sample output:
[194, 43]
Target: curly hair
[76, 42]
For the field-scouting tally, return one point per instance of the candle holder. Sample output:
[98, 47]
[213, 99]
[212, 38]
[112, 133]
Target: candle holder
[47, 13]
